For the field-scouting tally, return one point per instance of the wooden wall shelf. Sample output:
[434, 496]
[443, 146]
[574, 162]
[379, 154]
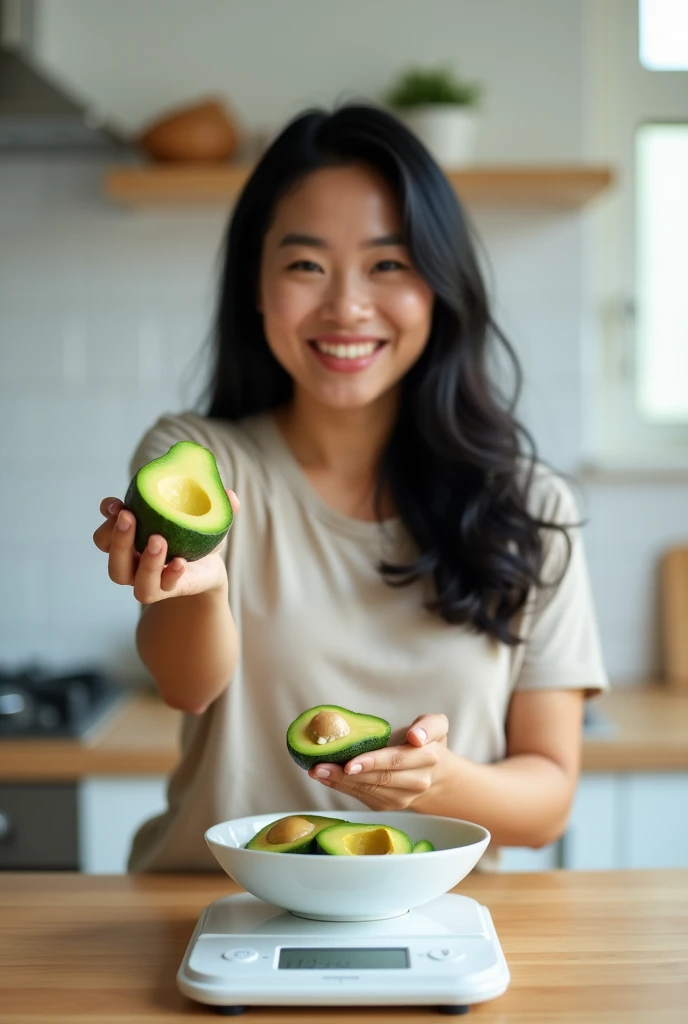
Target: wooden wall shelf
[561, 186]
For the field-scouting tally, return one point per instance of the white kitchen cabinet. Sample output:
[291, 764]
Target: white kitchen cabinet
[522, 858]
[653, 820]
[590, 842]
[110, 810]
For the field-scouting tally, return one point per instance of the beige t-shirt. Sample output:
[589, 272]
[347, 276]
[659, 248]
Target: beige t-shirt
[318, 625]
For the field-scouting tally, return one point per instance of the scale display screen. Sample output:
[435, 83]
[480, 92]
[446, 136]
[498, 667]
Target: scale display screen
[299, 959]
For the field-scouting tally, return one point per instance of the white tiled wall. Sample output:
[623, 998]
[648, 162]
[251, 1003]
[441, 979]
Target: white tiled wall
[104, 318]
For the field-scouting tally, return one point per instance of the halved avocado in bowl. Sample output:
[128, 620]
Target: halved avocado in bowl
[331, 733]
[353, 839]
[295, 833]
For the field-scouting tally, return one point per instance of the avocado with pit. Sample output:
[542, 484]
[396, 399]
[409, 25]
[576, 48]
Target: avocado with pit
[328, 732]
[295, 833]
[423, 846]
[350, 839]
[180, 497]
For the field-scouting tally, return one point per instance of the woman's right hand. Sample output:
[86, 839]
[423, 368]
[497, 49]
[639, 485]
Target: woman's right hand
[147, 573]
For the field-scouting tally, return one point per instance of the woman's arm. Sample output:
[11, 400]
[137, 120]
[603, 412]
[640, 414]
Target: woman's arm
[524, 800]
[190, 646]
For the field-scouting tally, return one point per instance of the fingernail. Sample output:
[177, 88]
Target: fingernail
[122, 524]
[420, 734]
[322, 773]
[155, 545]
[113, 508]
[354, 769]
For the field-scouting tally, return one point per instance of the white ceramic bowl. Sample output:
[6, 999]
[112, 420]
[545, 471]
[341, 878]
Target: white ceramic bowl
[328, 888]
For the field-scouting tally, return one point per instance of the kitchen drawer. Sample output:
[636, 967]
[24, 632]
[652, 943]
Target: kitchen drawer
[38, 827]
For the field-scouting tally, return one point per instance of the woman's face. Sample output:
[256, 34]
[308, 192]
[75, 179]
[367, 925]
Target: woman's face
[344, 311]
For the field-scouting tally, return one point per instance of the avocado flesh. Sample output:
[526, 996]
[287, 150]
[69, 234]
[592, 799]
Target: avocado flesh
[349, 839]
[423, 846]
[180, 497]
[304, 844]
[366, 733]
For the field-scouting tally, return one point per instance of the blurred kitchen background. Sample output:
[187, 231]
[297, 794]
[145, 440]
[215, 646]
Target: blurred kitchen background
[575, 177]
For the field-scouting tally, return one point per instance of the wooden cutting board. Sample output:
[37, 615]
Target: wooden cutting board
[674, 616]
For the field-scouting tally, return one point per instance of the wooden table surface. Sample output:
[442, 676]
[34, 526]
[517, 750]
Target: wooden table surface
[592, 947]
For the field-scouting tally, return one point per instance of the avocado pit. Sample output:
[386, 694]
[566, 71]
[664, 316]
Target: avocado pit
[327, 726]
[288, 830]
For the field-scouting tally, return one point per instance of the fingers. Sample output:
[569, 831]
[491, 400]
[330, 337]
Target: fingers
[172, 574]
[148, 579]
[123, 557]
[391, 759]
[110, 508]
[428, 729]
[233, 500]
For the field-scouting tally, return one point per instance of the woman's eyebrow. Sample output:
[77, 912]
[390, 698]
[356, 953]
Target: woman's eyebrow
[320, 243]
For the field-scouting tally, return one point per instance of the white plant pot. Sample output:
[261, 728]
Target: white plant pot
[448, 132]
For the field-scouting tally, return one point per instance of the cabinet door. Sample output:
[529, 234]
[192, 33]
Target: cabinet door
[590, 840]
[110, 812]
[653, 820]
[523, 858]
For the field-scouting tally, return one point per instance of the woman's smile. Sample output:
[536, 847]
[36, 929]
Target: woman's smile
[346, 353]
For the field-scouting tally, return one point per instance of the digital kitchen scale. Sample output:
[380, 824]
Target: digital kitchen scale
[245, 952]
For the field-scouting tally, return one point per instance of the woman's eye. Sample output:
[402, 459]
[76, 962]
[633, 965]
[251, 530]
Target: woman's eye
[307, 265]
[390, 265]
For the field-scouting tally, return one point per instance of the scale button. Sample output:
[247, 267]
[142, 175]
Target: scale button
[241, 955]
[445, 953]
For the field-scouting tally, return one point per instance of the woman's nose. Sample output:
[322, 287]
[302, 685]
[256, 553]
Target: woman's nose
[348, 301]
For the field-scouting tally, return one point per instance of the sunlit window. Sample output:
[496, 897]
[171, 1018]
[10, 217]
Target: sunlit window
[662, 271]
[663, 34]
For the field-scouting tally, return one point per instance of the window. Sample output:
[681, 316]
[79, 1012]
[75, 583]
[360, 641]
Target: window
[637, 349]
[662, 271]
[663, 33]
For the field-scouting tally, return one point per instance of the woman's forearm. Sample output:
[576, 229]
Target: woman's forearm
[523, 800]
[190, 646]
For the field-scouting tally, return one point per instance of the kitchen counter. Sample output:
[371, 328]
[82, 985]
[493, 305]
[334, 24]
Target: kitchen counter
[593, 947]
[141, 738]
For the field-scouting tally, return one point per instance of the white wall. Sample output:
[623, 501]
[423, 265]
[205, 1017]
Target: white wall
[102, 310]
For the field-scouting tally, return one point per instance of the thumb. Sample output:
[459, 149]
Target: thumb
[233, 501]
[427, 729]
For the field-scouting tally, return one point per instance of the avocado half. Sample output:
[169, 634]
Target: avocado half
[180, 496]
[331, 733]
[349, 839]
[291, 834]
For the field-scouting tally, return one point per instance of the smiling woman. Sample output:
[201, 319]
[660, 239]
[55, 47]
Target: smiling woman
[400, 548]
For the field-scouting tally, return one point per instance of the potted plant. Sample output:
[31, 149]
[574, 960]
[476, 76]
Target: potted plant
[440, 109]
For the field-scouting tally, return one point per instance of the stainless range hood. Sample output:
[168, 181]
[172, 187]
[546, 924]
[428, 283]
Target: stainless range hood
[35, 112]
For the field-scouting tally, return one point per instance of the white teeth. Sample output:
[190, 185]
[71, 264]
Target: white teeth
[347, 351]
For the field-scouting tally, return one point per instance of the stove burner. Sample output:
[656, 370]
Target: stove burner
[37, 703]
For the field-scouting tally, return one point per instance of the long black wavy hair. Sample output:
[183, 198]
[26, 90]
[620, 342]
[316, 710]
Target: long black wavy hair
[458, 463]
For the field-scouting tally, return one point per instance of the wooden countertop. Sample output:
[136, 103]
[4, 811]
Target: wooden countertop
[141, 738]
[582, 948]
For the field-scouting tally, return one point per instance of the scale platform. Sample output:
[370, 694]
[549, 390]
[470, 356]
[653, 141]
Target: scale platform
[245, 952]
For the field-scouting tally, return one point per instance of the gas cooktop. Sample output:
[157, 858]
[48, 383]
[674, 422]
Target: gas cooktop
[38, 703]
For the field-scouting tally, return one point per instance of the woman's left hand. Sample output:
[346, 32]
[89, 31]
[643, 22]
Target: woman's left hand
[392, 778]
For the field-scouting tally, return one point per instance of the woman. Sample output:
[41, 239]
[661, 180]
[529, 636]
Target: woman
[399, 552]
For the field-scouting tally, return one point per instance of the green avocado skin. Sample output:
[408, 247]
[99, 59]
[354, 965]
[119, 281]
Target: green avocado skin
[344, 754]
[181, 542]
[308, 761]
[423, 846]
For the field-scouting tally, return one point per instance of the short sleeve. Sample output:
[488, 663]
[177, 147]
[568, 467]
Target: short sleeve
[562, 648]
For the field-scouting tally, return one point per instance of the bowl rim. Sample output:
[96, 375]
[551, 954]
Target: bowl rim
[484, 838]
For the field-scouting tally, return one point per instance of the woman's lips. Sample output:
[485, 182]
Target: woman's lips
[346, 356]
